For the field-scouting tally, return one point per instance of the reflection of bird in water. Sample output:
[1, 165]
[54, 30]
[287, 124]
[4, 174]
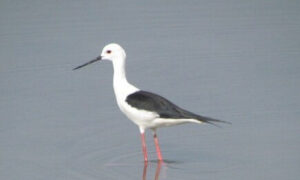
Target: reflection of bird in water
[145, 109]
[157, 171]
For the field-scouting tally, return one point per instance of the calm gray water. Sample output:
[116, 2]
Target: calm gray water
[234, 60]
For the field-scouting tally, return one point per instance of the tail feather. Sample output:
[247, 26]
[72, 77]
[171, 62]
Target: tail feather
[211, 120]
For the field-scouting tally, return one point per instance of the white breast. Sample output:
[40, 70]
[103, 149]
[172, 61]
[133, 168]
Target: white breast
[141, 118]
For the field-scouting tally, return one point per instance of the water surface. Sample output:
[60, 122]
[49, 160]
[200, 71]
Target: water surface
[234, 60]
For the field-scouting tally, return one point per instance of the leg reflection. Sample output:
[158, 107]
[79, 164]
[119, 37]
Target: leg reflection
[157, 172]
[158, 167]
[145, 170]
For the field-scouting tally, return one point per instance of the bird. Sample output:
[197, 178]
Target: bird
[146, 109]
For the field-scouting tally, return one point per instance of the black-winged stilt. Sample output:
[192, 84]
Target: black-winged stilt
[147, 110]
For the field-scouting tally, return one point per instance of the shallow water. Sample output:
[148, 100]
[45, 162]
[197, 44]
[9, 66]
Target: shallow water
[235, 60]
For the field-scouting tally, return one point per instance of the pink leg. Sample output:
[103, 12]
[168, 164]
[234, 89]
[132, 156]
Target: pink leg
[159, 156]
[144, 147]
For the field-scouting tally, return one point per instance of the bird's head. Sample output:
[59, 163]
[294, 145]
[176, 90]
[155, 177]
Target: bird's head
[112, 52]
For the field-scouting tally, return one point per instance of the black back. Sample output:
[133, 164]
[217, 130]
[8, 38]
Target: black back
[164, 108]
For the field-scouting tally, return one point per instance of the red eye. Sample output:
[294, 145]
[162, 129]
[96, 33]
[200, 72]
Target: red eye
[108, 51]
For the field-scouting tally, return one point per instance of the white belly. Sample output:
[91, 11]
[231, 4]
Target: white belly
[141, 118]
[145, 119]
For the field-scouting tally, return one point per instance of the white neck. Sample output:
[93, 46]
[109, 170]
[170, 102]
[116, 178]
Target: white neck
[119, 71]
[121, 86]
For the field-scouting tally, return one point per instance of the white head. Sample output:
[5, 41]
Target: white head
[112, 52]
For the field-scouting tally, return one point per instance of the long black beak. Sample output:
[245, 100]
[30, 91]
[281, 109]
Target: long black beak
[90, 62]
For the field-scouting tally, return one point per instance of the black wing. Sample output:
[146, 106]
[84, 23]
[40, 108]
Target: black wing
[164, 108]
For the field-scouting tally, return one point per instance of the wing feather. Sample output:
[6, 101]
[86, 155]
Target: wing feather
[166, 109]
